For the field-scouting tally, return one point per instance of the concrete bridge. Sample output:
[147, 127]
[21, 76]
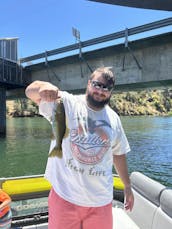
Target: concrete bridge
[144, 63]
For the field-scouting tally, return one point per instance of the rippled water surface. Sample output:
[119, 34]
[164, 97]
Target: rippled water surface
[151, 146]
[24, 150]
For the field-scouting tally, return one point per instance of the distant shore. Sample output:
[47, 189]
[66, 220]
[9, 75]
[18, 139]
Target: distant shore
[133, 103]
[147, 102]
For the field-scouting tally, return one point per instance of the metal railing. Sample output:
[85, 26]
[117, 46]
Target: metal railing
[10, 73]
[106, 38]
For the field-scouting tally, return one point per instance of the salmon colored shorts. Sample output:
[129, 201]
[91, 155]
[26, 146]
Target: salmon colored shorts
[65, 215]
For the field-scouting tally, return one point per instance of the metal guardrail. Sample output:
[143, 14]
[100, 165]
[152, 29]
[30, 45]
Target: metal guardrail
[106, 38]
[10, 73]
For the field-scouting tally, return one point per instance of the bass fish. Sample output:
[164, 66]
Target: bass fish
[59, 129]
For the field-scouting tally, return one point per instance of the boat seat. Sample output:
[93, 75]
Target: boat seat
[147, 194]
[163, 215]
[151, 206]
[121, 220]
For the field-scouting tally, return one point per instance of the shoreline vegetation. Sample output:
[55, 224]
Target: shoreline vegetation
[155, 102]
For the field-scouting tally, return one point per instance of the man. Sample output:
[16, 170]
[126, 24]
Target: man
[82, 187]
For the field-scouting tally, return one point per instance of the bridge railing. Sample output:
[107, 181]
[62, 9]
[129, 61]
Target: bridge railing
[102, 39]
[11, 73]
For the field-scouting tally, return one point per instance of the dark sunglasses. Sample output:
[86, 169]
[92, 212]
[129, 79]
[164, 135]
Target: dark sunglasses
[98, 85]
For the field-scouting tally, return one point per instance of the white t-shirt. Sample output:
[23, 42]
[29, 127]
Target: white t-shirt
[84, 174]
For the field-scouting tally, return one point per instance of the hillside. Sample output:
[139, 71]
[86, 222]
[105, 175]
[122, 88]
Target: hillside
[146, 102]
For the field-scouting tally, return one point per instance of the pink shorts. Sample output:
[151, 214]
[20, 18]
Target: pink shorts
[65, 215]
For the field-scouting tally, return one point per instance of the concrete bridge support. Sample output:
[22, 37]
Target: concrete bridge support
[2, 111]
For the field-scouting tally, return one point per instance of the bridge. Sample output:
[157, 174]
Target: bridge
[143, 63]
[11, 75]
[144, 4]
[140, 63]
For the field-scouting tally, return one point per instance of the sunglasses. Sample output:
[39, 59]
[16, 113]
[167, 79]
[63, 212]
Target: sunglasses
[100, 86]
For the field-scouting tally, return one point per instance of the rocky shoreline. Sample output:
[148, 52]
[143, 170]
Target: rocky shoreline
[133, 103]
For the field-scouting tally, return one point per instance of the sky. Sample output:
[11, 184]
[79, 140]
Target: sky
[43, 25]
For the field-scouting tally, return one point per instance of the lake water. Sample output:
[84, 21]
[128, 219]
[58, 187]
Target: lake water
[25, 148]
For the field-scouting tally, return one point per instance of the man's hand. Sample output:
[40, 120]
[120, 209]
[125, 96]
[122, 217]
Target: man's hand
[48, 93]
[128, 198]
[120, 164]
[41, 90]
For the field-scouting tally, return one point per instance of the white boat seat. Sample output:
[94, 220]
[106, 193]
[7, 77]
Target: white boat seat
[152, 208]
[148, 188]
[121, 220]
[163, 215]
[166, 202]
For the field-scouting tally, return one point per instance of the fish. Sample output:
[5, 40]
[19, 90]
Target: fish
[59, 128]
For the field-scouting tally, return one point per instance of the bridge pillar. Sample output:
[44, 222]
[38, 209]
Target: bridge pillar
[2, 112]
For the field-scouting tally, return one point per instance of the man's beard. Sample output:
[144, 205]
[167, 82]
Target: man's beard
[95, 103]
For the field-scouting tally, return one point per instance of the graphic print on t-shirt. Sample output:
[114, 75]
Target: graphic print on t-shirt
[90, 141]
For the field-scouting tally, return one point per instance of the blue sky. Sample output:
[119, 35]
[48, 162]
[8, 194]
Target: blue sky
[44, 25]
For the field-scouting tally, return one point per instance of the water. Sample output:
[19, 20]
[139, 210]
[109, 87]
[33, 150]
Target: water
[24, 150]
[150, 139]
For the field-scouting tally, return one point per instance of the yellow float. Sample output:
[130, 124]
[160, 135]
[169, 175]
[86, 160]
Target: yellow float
[37, 186]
